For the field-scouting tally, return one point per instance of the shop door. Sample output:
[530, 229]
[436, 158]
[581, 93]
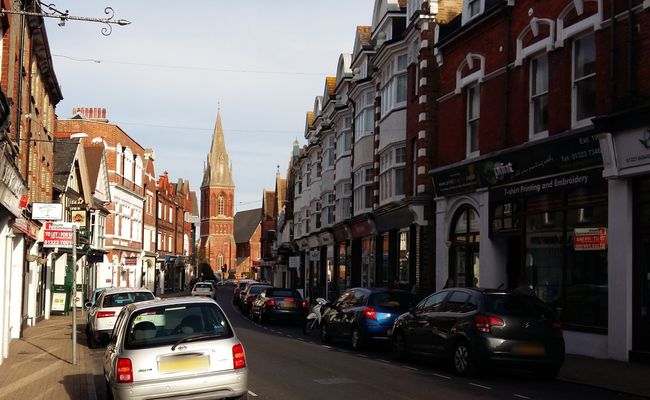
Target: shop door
[465, 239]
[641, 277]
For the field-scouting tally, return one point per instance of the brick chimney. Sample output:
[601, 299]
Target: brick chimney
[94, 113]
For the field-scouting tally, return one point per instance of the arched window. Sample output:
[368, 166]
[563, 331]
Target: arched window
[138, 171]
[465, 240]
[118, 159]
[221, 205]
[128, 164]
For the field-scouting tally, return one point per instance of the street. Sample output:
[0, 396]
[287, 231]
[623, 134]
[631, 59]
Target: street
[285, 364]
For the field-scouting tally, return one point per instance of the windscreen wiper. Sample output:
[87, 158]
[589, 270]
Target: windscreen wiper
[193, 338]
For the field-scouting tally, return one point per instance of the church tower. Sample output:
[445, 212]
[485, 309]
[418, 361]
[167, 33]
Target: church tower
[217, 206]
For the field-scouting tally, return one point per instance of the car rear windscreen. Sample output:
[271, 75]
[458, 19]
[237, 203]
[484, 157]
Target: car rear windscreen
[165, 325]
[283, 293]
[203, 286]
[122, 299]
[256, 289]
[392, 300]
[517, 305]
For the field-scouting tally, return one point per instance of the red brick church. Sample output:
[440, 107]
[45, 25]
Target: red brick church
[217, 246]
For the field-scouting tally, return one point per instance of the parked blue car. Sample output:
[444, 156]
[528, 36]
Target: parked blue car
[364, 314]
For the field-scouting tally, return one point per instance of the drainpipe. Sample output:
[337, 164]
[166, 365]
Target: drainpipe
[506, 89]
[631, 91]
[9, 248]
[612, 56]
[19, 96]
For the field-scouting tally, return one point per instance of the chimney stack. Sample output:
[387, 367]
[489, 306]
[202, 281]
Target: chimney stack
[94, 113]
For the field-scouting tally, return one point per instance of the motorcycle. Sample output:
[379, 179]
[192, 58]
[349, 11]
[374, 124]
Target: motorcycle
[313, 319]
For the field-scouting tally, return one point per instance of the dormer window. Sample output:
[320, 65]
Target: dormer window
[472, 9]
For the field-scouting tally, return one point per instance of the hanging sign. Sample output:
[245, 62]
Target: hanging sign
[58, 234]
[47, 211]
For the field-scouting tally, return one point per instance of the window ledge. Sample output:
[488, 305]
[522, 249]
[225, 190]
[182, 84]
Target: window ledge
[582, 123]
[538, 135]
[396, 108]
[473, 154]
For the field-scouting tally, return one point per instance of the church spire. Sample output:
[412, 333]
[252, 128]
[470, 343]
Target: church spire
[219, 170]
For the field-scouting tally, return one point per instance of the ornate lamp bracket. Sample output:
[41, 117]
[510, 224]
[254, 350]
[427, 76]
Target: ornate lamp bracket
[65, 16]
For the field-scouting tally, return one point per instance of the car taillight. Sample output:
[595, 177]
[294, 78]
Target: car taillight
[124, 371]
[305, 304]
[369, 313]
[270, 302]
[556, 325]
[238, 356]
[104, 314]
[484, 323]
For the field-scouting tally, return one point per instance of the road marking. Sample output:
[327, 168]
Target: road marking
[441, 376]
[384, 361]
[289, 336]
[521, 396]
[481, 386]
[328, 347]
[252, 394]
[362, 355]
[301, 339]
[411, 368]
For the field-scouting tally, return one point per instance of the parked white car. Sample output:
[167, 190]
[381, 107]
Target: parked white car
[181, 347]
[102, 314]
[204, 289]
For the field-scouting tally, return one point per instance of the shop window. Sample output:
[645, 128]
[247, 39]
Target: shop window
[403, 271]
[465, 239]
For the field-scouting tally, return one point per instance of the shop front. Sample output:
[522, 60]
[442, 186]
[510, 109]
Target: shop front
[363, 269]
[625, 144]
[537, 216]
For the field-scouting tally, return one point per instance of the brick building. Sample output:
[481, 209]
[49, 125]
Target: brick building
[248, 235]
[519, 179]
[151, 275]
[217, 246]
[123, 265]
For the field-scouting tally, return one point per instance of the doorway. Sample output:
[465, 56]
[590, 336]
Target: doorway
[464, 268]
[641, 279]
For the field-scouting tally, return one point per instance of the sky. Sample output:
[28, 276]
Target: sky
[163, 77]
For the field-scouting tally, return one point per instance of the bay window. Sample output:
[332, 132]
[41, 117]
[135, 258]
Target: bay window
[391, 173]
[363, 194]
[364, 120]
[394, 78]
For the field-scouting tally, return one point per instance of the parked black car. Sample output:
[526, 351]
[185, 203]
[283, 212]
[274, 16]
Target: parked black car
[472, 328]
[279, 304]
[364, 314]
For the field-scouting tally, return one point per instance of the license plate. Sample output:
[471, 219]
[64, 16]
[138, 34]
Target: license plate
[529, 349]
[289, 305]
[184, 364]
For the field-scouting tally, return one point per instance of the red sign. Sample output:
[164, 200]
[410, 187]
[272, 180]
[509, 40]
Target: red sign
[590, 239]
[131, 261]
[24, 200]
[58, 235]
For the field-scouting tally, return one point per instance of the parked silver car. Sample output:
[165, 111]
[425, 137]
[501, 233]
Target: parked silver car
[103, 314]
[175, 348]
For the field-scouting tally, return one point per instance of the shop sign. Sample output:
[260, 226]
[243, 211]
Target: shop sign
[547, 185]
[633, 148]
[534, 161]
[47, 211]
[27, 227]
[11, 186]
[131, 261]
[590, 239]
[58, 234]
[294, 262]
[78, 217]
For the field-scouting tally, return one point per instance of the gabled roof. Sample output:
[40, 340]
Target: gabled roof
[65, 151]
[245, 224]
[94, 162]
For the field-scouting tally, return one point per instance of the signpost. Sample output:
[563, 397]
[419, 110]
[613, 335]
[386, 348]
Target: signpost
[63, 235]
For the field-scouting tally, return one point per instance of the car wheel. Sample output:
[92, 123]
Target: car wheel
[358, 341]
[462, 360]
[324, 335]
[308, 327]
[400, 350]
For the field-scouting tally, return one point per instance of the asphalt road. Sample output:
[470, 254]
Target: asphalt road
[285, 364]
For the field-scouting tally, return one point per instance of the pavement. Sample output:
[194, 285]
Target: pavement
[40, 366]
